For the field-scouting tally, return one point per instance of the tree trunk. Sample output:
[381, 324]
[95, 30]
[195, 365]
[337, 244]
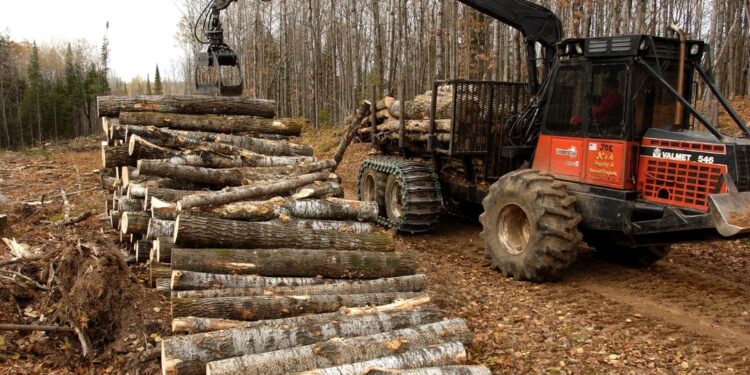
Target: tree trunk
[320, 190]
[412, 126]
[319, 209]
[261, 146]
[187, 280]
[140, 149]
[235, 194]
[163, 248]
[134, 205]
[207, 160]
[143, 251]
[163, 210]
[160, 228]
[420, 107]
[332, 264]
[182, 355]
[228, 176]
[414, 283]
[272, 307]
[438, 355]
[362, 113]
[355, 227]
[116, 156]
[197, 325]
[216, 123]
[339, 351]
[198, 231]
[159, 271]
[111, 106]
[134, 222]
[169, 195]
[445, 370]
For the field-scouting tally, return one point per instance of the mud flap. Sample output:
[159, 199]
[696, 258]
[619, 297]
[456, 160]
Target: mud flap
[730, 213]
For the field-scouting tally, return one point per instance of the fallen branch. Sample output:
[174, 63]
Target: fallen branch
[32, 328]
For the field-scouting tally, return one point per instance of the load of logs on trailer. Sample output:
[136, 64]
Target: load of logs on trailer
[269, 270]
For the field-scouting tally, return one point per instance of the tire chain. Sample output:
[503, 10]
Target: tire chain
[420, 215]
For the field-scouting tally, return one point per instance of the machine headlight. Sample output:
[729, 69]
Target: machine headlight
[579, 49]
[694, 49]
[643, 45]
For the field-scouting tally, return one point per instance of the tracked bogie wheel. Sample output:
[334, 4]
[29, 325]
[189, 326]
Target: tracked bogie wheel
[410, 200]
[636, 257]
[530, 226]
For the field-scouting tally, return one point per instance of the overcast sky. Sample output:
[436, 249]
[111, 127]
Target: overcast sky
[141, 32]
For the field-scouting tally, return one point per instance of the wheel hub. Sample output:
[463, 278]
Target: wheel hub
[368, 189]
[513, 229]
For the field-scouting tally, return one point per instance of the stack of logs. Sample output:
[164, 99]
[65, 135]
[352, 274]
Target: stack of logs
[416, 114]
[268, 269]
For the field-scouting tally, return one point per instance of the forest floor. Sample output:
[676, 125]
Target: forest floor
[689, 313]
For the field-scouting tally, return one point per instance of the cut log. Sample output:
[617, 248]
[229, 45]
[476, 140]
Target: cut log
[163, 210]
[159, 271]
[354, 227]
[216, 123]
[319, 190]
[140, 149]
[418, 137]
[169, 195]
[327, 209]
[143, 251]
[159, 228]
[116, 156]
[272, 307]
[198, 231]
[163, 249]
[236, 194]
[331, 264]
[362, 112]
[339, 351]
[228, 176]
[445, 370]
[187, 280]
[197, 325]
[384, 103]
[420, 107]
[437, 355]
[411, 126]
[134, 222]
[111, 106]
[125, 204]
[109, 183]
[162, 286]
[114, 219]
[415, 283]
[137, 191]
[190, 354]
[261, 146]
[208, 160]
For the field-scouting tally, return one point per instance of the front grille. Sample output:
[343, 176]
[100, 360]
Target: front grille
[742, 177]
[680, 184]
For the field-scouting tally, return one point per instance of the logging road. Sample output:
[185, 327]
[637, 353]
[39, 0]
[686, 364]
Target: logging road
[690, 313]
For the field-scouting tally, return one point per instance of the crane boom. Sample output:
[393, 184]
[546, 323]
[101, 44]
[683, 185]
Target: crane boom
[537, 24]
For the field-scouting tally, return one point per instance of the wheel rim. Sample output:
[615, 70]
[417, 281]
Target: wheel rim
[395, 201]
[368, 189]
[513, 229]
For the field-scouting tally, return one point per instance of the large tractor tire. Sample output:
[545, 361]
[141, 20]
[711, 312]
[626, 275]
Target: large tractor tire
[371, 187]
[410, 191]
[530, 226]
[636, 257]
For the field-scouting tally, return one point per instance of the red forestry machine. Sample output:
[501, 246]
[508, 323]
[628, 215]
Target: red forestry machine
[601, 145]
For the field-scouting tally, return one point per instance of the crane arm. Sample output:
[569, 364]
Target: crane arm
[537, 24]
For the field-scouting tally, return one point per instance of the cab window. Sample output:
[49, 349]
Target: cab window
[567, 105]
[608, 90]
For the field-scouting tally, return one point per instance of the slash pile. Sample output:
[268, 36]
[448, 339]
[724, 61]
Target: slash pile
[268, 269]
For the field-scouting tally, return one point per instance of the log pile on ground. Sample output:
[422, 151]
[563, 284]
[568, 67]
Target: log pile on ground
[269, 269]
[416, 115]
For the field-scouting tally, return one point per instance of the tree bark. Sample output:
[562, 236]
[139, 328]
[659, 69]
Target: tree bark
[188, 280]
[272, 307]
[362, 113]
[116, 156]
[111, 106]
[182, 355]
[163, 248]
[163, 210]
[160, 228]
[414, 283]
[140, 149]
[143, 251]
[216, 123]
[420, 107]
[339, 351]
[159, 271]
[319, 209]
[445, 370]
[169, 195]
[197, 325]
[332, 264]
[199, 231]
[355, 227]
[134, 222]
[319, 190]
[261, 146]
[412, 126]
[438, 355]
[134, 205]
[235, 194]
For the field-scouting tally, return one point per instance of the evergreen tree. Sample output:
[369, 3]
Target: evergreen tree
[73, 92]
[103, 76]
[148, 85]
[158, 90]
[32, 96]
